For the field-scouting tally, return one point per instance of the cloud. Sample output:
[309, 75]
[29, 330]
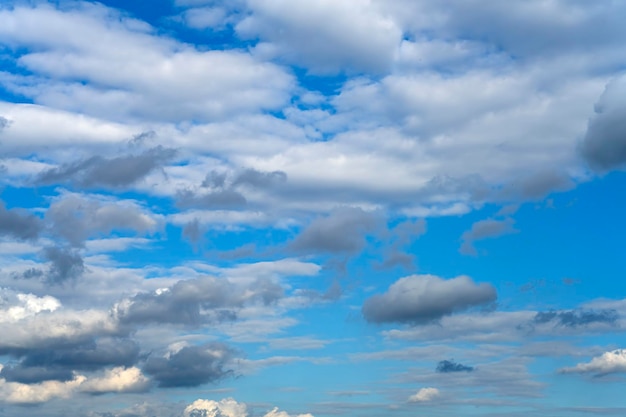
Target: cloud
[25, 394]
[324, 36]
[117, 380]
[447, 366]
[77, 217]
[342, 231]
[485, 229]
[419, 299]
[607, 363]
[222, 199]
[66, 264]
[19, 223]
[196, 301]
[228, 407]
[425, 395]
[604, 144]
[576, 318]
[185, 83]
[97, 171]
[190, 366]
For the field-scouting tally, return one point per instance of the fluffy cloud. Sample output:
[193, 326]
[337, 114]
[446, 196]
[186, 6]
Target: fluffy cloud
[190, 366]
[607, 363]
[342, 231]
[184, 83]
[425, 395]
[228, 407]
[19, 223]
[324, 36]
[418, 299]
[117, 172]
[25, 394]
[196, 301]
[117, 380]
[604, 145]
[78, 217]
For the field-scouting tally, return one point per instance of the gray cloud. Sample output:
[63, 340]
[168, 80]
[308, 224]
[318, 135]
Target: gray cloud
[115, 172]
[576, 318]
[259, 179]
[604, 144]
[77, 218]
[191, 366]
[196, 301]
[58, 362]
[448, 366]
[419, 299]
[19, 223]
[35, 374]
[485, 229]
[221, 199]
[65, 264]
[344, 230]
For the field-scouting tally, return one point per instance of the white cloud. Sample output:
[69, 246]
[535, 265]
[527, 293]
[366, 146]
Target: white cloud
[425, 395]
[17, 393]
[607, 363]
[228, 407]
[324, 35]
[117, 380]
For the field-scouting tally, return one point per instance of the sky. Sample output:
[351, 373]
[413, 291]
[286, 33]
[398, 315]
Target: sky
[275, 208]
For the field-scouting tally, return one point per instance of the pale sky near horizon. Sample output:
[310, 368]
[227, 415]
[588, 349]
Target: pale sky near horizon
[275, 208]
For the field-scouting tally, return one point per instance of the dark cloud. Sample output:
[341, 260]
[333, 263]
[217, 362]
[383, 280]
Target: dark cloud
[19, 223]
[259, 179]
[35, 374]
[221, 199]
[115, 172]
[196, 301]
[65, 264]
[78, 218]
[448, 366]
[485, 229]
[344, 230]
[604, 144]
[419, 299]
[191, 366]
[576, 318]
[59, 362]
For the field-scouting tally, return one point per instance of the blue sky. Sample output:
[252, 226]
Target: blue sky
[293, 209]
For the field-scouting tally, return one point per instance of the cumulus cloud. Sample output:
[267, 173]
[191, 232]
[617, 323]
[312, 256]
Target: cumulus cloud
[607, 363]
[25, 394]
[117, 380]
[604, 144]
[65, 264]
[190, 366]
[77, 217]
[98, 171]
[485, 229]
[228, 407]
[19, 223]
[324, 36]
[419, 299]
[425, 395]
[196, 301]
[342, 231]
